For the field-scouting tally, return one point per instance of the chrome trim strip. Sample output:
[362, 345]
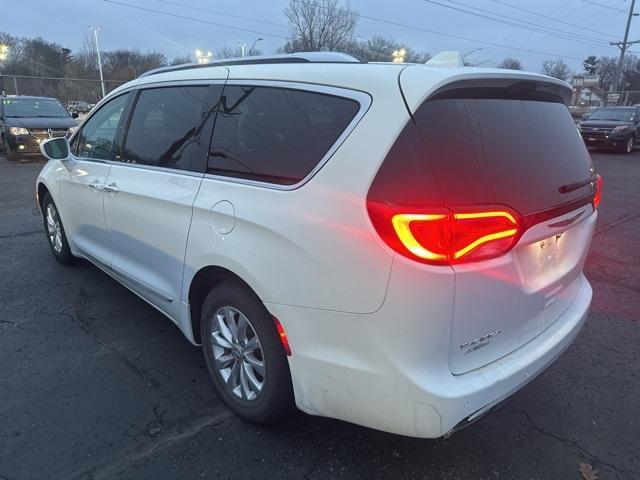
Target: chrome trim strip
[364, 99]
[156, 168]
[142, 286]
[115, 273]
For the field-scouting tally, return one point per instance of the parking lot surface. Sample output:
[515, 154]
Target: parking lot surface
[95, 384]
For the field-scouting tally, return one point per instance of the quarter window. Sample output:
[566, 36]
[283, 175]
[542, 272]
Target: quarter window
[171, 127]
[275, 135]
[99, 135]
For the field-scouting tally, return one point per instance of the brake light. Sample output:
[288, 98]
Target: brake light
[446, 236]
[598, 195]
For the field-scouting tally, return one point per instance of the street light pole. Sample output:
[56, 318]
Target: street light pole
[95, 34]
[254, 44]
[4, 53]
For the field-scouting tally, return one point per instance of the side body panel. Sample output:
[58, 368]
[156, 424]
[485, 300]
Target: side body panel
[312, 244]
[148, 222]
[81, 205]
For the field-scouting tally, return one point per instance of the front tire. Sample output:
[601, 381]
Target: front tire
[11, 156]
[56, 236]
[628, 146]
[244, 355]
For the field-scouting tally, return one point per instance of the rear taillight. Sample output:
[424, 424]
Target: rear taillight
[598, 195]
[446, 236]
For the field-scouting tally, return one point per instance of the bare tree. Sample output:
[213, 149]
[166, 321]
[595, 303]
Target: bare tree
[511, 64]
[319, 25]
[124, 65]
[380, 49]
[181, 60]
[557, 69]
[236, 51]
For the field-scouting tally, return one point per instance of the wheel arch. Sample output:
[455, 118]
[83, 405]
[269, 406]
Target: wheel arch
[41, 191]
[202, 282]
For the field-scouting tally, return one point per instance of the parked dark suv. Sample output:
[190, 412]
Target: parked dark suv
[27, 121]
[616, 128]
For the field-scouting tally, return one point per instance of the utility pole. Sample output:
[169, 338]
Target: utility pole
[623, 47]
[95, 30]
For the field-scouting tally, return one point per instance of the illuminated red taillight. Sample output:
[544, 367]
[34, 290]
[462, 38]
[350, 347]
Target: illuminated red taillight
[598, 195]
[446, 236]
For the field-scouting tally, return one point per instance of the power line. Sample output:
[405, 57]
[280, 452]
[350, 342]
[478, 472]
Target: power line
[583, 19]
[366, 17]
[570, 37]
[266, 22]
[518, 37]
[605, 6]
[536, 27]
[184, 17]
[552, 18]
[460, 37]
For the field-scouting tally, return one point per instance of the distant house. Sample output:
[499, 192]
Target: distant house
[590, 97]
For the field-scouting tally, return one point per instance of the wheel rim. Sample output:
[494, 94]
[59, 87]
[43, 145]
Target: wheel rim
[630, 145]
[54, 229]
[237, 353]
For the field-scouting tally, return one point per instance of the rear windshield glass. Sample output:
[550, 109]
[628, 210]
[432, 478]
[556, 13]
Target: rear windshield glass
[614, 114]
[504, 151]
[38, 107]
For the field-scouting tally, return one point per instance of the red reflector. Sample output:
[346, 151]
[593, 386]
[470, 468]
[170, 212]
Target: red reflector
[598, 195]
[446, 236]
[283, 336]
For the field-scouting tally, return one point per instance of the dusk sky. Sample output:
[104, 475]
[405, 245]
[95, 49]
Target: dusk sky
[586, 27]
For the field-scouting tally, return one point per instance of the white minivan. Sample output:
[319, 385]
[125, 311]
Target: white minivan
[399, 246]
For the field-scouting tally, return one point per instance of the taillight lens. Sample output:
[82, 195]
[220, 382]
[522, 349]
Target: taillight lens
[598, 195]
[446, 236]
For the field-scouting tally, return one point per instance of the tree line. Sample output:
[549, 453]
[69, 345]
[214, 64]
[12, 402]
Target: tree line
[315, 25]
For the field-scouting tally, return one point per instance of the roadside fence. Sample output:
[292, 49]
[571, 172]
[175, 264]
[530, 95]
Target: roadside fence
[64, 89]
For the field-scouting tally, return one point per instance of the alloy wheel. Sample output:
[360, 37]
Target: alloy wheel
[54, 229]
[238, 355]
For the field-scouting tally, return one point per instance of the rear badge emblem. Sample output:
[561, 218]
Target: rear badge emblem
[478, 343]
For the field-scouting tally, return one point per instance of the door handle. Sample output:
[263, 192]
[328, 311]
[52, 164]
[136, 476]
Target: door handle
[111, 188]
[97, 186]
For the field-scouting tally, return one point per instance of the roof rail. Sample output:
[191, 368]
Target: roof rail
[300, 57]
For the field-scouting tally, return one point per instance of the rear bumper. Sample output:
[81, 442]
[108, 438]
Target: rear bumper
[388, 370]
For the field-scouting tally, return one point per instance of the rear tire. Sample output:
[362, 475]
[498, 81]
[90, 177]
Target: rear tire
[244, 355]
[56, 236]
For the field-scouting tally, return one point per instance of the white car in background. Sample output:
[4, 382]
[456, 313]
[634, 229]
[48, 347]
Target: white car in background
[397, 246]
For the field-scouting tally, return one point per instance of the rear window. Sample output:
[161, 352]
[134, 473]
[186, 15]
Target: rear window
[503, 151]
[275, 135]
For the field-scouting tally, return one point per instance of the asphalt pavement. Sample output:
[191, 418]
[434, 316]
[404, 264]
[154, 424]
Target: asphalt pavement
[95, 384]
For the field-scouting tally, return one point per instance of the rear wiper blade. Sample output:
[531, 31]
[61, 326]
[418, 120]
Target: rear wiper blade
[570, 187]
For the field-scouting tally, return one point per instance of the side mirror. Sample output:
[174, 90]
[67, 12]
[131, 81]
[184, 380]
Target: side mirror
[74, 115]
[55, 148]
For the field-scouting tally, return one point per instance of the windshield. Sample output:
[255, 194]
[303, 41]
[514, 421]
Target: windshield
[33, 107]
[615, 114]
